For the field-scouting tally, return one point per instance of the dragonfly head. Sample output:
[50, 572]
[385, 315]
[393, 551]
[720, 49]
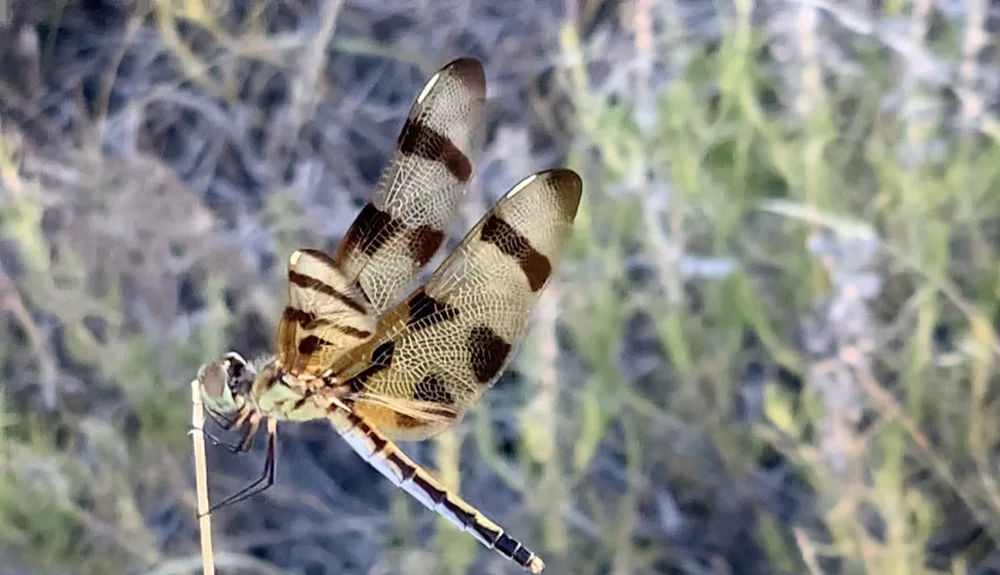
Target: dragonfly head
[226, 382]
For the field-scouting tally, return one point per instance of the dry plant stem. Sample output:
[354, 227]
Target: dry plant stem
[10, 300]
[204, 519]
[808, 551]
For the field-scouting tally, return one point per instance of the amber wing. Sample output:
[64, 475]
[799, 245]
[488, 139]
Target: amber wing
[404, 224]
[435, 353]
[332, 302]
[326, 314]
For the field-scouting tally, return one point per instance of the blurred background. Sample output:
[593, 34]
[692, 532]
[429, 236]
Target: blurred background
[771, 348]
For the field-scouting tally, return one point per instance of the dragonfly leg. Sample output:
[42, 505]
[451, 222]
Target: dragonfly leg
[211, 437]
[227, 424]
[221, 420]
[266, 479]
[246, 444]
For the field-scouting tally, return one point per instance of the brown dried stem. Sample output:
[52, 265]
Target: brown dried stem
[204, 519]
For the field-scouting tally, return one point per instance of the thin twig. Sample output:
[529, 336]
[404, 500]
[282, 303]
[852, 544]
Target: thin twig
[48, 371]
[807, 550]
[204, 519]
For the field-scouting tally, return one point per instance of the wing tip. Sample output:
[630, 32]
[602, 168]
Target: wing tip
[566, 183]
[471, 71]
[569, 185]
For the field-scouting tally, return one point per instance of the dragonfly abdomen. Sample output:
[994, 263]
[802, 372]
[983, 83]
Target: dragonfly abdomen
[390, 461]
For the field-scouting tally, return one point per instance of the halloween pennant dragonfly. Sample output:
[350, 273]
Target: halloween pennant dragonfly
[380, 369]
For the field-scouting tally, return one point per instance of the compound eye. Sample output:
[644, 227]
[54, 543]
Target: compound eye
[214, 378]
[235, 370]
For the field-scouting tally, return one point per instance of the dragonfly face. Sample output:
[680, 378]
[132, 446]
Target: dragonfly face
[225, 383]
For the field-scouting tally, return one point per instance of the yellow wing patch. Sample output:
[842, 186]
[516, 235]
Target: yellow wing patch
[325, 316]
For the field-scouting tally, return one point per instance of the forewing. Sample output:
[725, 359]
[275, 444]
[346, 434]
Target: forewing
[437, 352]
[325, 316]
[402, 227]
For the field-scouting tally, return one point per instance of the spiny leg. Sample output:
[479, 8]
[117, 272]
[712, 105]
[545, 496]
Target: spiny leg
[214, 438]
[266, 479]
[221, 420]
[246, 444]
[226, 424]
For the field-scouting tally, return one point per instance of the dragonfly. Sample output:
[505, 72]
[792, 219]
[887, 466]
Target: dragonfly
[358, 346]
